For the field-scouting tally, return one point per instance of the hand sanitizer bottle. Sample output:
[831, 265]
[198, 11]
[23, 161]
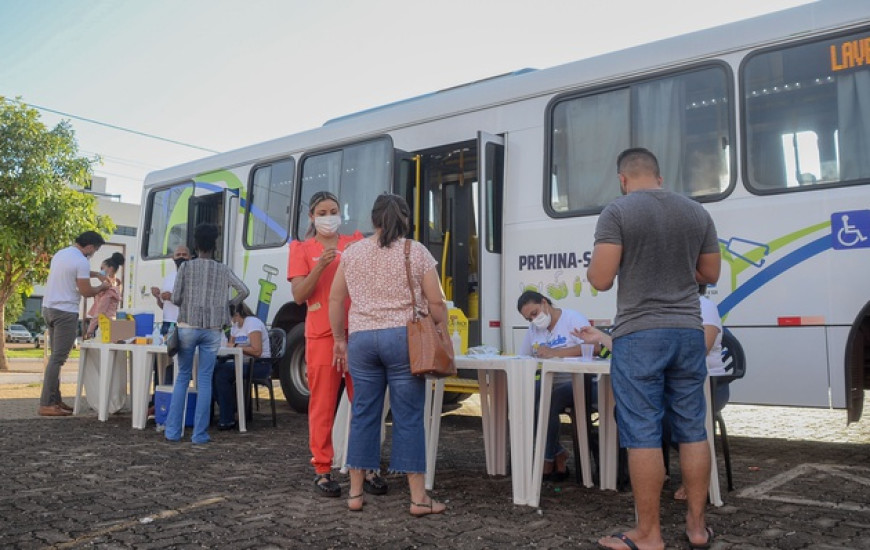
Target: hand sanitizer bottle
[456, 339]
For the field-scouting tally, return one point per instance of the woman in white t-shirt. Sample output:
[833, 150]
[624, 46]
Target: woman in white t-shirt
[550, 335]
[249, 333]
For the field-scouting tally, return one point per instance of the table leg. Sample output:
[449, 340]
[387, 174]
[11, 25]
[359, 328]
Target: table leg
[579, 383]
[83, 354]
[521, 404]
[541, 439]
[104, 369]
[432, 419]
[715, 494]
[501, 415]
[486, 415]
[340, 432]
[140, 383]
[608, 446]
[240, 393]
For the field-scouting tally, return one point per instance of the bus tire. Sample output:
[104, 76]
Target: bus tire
[293, 371]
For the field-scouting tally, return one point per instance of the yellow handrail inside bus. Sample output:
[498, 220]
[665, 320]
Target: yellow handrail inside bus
[417, 162]
[448, 291]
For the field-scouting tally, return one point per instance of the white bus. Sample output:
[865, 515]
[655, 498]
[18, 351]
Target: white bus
[765, 121]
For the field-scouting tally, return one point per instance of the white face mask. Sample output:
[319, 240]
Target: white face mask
[542, 321]
[327, 225]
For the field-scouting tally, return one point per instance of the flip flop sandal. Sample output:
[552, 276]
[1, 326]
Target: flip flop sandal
[625, 540]
[702, 545]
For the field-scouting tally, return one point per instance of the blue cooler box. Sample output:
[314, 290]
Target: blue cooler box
[162, 398]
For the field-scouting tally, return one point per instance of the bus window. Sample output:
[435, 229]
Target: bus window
[494, 185]
[267, 222]
[357, 174]
[166, 221]
[807, 118]
[683, 118]
[802, 165]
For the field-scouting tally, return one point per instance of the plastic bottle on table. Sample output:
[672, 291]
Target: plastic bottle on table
[156, 337]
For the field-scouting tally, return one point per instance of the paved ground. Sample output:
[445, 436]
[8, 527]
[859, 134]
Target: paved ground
[802, 481]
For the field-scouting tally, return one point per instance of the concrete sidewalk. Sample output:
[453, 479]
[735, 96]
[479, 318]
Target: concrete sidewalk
[28, 371]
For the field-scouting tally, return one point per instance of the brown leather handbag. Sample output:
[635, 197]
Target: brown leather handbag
[429, 346]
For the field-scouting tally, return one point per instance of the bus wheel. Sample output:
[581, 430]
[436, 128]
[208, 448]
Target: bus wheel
[294, 372]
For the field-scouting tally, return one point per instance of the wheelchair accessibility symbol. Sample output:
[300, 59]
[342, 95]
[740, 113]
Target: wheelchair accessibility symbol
[850, 229]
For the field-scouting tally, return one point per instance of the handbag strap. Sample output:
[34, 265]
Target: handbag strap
[410, 280]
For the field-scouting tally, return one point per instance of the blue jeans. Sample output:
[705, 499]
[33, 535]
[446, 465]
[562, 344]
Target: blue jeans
[379, 359]
[225, 384]
[654, 371]
[189, 339]
[562, 396]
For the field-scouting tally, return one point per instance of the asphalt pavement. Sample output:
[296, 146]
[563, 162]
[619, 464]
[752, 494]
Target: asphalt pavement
[802, 480]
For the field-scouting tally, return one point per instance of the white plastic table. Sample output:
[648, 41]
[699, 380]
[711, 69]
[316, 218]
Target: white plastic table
[140, 387]
[507, 391]
[105, 359]
[607, 434]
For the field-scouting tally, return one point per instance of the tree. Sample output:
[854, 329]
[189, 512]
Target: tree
[42, 209]
[13, 308]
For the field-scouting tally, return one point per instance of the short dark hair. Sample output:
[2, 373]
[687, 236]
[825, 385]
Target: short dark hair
[89, 238]
[637, 159]
[205, 237]
[392, 216]
[533, 297]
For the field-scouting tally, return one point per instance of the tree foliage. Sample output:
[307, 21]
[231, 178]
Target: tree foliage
[13, 309]
[42, 209]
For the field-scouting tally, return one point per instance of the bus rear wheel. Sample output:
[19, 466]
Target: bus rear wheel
[293, 371]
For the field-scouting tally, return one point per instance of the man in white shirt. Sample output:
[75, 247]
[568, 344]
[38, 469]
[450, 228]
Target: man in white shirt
[164, 293]
[69, 278]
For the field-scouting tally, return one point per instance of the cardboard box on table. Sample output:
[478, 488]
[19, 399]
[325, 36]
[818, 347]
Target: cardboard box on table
[116, 330]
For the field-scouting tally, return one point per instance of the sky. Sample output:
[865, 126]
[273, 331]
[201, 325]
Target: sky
[221, 74]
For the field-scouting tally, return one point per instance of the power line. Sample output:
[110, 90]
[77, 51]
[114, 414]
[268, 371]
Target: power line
[121, 160]
[113, 126]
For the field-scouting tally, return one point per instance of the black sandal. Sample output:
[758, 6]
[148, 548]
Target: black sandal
[374, 484]
[326, 486]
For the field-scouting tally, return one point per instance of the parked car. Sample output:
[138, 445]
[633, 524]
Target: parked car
[40, 338]
[18, 334]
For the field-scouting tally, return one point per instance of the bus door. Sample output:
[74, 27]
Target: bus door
[220, 209]
[453, 212]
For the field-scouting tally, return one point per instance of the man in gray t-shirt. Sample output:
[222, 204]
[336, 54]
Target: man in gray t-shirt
[661, 245]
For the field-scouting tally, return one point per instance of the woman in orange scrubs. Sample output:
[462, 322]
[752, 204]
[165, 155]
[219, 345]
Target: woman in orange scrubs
[311, 268]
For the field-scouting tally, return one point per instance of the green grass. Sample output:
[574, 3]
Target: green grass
[33, 353]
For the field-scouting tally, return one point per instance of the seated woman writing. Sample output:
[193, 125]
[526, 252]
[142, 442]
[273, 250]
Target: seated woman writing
[249, 333]
[550, 335]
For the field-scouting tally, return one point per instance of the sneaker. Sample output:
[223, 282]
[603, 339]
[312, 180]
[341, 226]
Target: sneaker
[325, 486]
